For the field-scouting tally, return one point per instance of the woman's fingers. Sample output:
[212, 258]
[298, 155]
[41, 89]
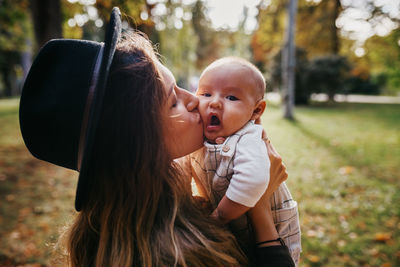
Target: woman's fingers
[271, 150]
[278, 172]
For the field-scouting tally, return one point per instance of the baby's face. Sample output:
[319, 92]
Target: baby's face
[228, 98]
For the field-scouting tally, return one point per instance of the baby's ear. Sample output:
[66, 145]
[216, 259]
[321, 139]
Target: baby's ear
[259, 109]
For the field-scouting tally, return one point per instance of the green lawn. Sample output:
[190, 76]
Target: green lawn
[343, 163]
[344, 168]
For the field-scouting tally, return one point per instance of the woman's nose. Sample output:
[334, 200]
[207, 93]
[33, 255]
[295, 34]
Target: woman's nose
[191, 101]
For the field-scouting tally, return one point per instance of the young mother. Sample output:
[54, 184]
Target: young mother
[115, 114]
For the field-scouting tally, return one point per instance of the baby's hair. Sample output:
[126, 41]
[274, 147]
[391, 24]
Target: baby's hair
[258, 77]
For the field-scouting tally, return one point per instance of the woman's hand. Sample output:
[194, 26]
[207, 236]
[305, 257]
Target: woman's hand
[260, 215]
[277, 172]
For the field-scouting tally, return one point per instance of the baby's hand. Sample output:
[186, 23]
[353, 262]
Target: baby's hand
[219, 140]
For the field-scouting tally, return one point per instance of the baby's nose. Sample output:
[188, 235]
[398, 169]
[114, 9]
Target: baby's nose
[215, 103]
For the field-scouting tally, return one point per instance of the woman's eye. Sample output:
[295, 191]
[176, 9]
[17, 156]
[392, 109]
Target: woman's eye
[232, 98]
[174, 104]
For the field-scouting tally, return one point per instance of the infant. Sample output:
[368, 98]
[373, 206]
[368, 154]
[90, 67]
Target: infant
[232, 169]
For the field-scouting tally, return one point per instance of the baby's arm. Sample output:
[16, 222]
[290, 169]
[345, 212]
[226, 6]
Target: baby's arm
[249, 181]
[228, 210]
[262, 222]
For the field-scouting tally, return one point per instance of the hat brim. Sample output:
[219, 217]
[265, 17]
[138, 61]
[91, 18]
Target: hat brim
[112, 36]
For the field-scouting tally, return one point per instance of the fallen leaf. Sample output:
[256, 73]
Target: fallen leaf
[44, 226]
[391, 222]
[346, 170]
[341, 243]
[373, 252]
[382, 237]
[10, 197]
[24, 212]
[353, 235]
[397, 254]
[386, 264]
[15, 235]
[311, 233]
[362, 225]
[313, 258]
[31, 250]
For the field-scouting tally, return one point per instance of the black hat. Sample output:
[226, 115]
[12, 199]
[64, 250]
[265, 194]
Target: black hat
[62, 100]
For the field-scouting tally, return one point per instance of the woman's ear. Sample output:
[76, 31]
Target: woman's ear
[259, 109]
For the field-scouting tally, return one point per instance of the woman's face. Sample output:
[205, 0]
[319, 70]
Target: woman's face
[183, 127]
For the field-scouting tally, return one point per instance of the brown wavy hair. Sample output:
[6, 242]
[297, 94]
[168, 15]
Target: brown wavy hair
[140, 211]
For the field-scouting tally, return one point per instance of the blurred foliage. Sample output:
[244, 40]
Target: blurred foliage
[328, 74]
[207, 44]
[383, 59]
[15, 32]
[187, 41]
[315, 28]
[14, 25]
[302, 89]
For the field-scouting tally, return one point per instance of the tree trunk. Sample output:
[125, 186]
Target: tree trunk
[334, 30]
[47, 20]
[7, 71]
[289, 62]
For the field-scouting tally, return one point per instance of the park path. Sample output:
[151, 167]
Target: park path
[372, 99]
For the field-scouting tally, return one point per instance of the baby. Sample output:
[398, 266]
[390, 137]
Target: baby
[232, 169]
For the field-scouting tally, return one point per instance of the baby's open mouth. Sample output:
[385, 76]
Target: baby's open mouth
[214, 121]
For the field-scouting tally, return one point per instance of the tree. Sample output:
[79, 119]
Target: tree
[268, 38]
[383, 55]
[328, 74]
[131, 11]
[177, 42]
[47, 20]
[316, 29]
[289, 62]
[14, 31]
[302, 90]
[207, 44]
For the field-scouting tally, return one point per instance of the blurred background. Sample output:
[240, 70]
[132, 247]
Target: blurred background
[341, 145]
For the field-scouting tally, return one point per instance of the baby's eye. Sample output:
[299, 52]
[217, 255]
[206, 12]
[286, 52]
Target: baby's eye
[206, 94]
[232, 98]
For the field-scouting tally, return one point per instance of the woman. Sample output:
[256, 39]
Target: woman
[114, 113]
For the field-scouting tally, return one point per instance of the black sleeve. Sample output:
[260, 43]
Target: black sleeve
[273, 256]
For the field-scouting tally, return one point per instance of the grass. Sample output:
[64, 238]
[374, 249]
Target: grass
[343, 163]
[36, 197]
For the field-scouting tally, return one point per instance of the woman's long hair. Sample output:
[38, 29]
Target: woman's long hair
[140, 211]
